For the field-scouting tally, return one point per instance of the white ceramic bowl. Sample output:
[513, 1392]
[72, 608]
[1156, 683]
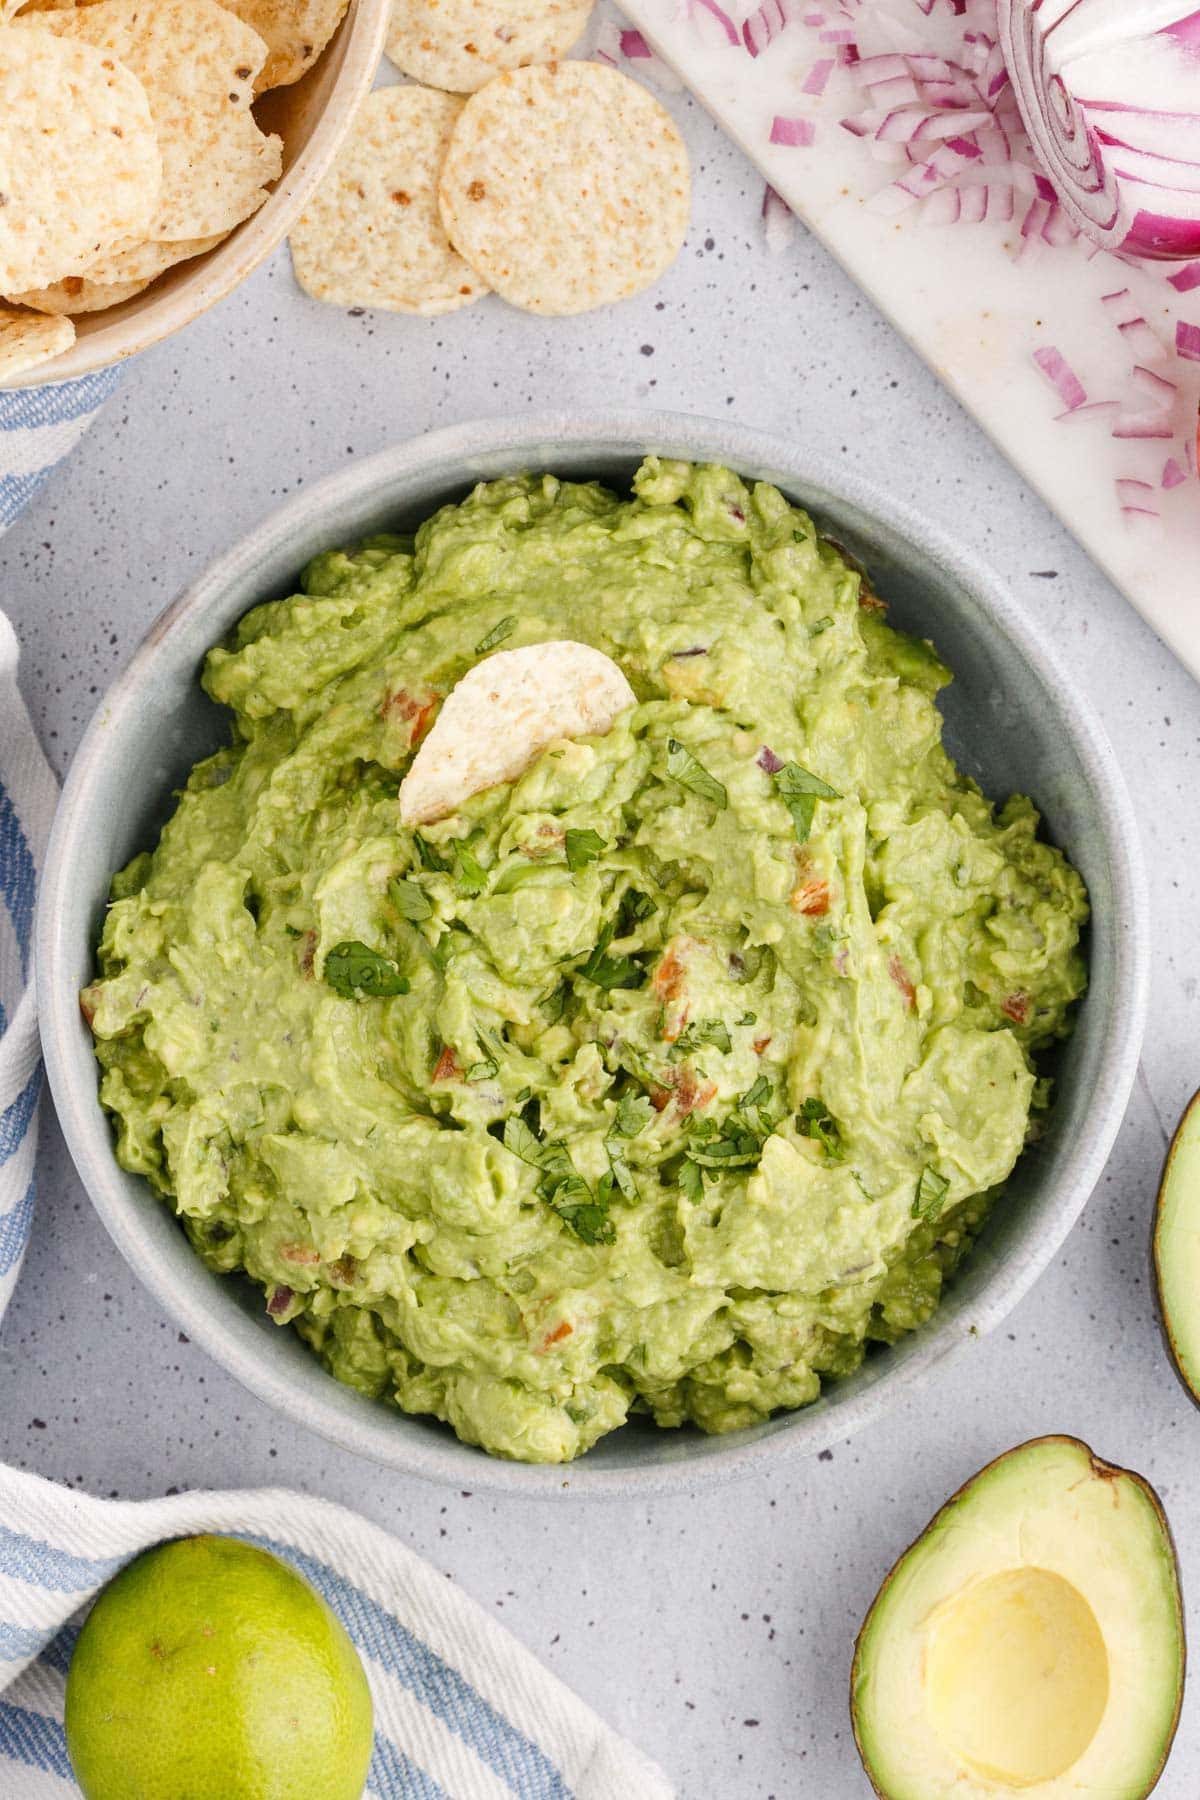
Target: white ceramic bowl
[312, 117]
[1013, 719]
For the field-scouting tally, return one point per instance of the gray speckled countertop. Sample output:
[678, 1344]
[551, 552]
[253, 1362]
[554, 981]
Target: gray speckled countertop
[716, 1631]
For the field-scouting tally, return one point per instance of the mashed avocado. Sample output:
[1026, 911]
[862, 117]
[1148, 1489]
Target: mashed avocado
[661, 1079]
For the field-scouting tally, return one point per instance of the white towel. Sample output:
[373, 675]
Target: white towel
[38, 426]
[462, 1711]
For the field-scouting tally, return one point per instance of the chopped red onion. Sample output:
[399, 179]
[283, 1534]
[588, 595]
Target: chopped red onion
[1187, 340]
[1135, 496]
[1108, 93]
[797, 133]
[817, 79]
[768, 760]
[1185, 279]
[1055, 368]
[634, 46]
[779, 221]
[763, 26]
[732, 35]
[1173, 476]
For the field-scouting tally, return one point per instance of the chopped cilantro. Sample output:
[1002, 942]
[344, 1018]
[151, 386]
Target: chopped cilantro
[471, 877]
[691, 1181]
[634, 1113]
[611, 971]
[931, 1193]
[583, 847]
[357, 972]
[634, 907]
[799, 790]
[553, 1005]
[814, 1120]
[561, 1186]
[502, 629]
[482, 1071]
[748, 1018]
[691, 774]
[820, 625]
[705, 1031]
[661, 873]
[410, 901]
[431, 858]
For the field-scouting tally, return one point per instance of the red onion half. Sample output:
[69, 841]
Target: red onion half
[1109, 91]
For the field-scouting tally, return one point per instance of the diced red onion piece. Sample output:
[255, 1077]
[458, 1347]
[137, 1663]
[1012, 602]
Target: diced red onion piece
[779, 221]
[1173, 476]
[796, 133]
[1187, 340]
[817, 79]
[1185, 279]
[768, 760]
[764, 25]
[1056, 369]
[634, 46]
[732, 35]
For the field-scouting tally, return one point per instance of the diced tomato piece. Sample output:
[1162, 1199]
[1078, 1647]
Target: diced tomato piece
[869, 602]
[562, 1330]
[691, 1095]
[675, 1023]
[760, 1045]
[87, 1004]
[1016, 1008]
[811, 898]
[304, 1254]
[412, 710]
[903, 981]
[447, 1067]
[668, 977]
[660, 1098]
[280, 1300]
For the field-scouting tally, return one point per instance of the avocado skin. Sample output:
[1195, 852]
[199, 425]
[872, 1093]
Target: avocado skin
[1103, 1471]
[1162, 1311]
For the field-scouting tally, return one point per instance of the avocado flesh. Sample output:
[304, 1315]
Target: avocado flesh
[1030, 1643]
[1177, 1248]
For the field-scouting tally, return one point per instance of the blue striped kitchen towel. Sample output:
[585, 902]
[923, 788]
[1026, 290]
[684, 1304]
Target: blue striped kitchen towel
[38, 427]
[28, 793]
[462, 1711]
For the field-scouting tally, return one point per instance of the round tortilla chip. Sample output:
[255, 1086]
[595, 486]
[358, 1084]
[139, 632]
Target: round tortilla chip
[461, 44]
[565, 187]
[198, 63]
[295, 31]
[372, 235]
[77, 294]
[27, 340]
[502, 715]
[137, 260]
[79, 157]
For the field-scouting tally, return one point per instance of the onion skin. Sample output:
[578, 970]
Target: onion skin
[1110, 97]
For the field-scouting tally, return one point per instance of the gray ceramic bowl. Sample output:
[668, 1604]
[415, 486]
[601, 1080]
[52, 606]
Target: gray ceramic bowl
[1013, 719]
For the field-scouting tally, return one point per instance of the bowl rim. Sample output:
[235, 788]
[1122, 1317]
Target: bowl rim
[71, 1066]
[223, 268]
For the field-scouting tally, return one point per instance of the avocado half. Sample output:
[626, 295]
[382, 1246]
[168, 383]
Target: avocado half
[1030, 1643]
[1177, 1248]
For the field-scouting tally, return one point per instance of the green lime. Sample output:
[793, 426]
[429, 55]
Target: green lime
[210, 1670]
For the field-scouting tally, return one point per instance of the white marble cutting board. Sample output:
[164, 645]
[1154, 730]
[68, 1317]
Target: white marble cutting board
[976, 300]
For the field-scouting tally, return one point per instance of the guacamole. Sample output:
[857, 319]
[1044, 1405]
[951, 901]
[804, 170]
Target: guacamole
[661, 1079]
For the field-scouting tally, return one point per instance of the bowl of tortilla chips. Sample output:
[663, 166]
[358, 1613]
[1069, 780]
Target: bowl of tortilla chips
[152, 155]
